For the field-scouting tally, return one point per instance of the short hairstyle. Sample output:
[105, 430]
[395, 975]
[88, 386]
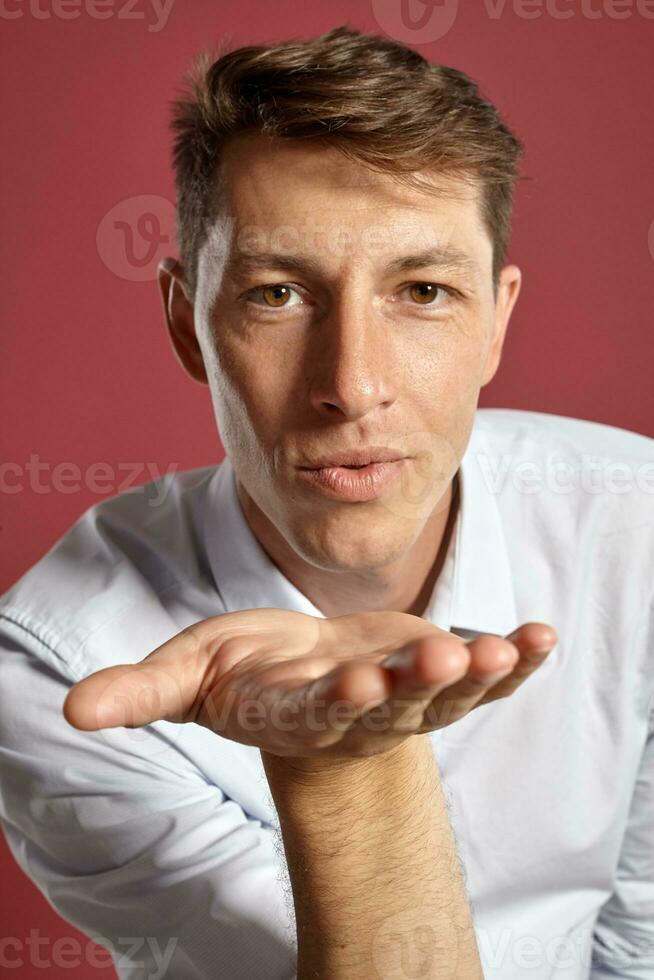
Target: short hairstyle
[378, 102]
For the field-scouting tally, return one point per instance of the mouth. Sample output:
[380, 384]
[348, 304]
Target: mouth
[354, 459]
[353, 482]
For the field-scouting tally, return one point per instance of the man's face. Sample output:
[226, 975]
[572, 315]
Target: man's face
[352, 351]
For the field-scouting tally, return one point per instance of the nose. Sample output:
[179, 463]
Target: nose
[353, 363]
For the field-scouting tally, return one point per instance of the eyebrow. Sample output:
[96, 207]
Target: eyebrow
[448, 259]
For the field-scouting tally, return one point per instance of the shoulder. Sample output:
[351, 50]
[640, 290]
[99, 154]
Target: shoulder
[518, 430]
[567, 482]
[557, 458]
[107, 590]
[575, 497]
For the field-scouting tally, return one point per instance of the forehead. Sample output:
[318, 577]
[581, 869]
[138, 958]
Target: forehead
[288, 188]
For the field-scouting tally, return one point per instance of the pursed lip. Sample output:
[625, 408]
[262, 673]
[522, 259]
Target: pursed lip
[354, 457]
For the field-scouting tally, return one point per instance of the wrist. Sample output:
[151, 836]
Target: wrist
[333, 775]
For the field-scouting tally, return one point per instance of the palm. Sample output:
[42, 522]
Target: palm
[282, 663]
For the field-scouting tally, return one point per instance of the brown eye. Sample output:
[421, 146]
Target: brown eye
[423, 292]
[275, 295]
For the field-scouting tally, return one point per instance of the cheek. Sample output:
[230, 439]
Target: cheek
[252, 391]
[441, 388]
[272, 373]
[447, 365]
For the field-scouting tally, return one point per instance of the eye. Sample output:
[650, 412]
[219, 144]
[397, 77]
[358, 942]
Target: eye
[275, 295]
[425, 293]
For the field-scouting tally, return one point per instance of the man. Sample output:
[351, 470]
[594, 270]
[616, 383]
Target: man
[382, 592]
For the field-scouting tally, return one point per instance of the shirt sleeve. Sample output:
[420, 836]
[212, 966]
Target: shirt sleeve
[623, 939]
[129, 842]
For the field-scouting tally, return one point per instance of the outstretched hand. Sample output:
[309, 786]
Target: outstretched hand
[303, 687]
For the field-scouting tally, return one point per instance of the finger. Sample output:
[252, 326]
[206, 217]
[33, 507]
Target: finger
[535, 639]
[321, 711]
[419, 671]
[164, 686]
[534, 642]
[125, 694]
[491, 658]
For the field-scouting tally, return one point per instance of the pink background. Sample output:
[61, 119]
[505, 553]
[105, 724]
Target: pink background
[89, 376]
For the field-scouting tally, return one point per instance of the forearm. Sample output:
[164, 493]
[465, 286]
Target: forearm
[376, 881]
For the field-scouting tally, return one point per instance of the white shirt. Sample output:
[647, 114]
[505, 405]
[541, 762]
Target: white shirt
[162, 842]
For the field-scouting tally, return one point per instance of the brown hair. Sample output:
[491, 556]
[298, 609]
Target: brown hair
[378, 102]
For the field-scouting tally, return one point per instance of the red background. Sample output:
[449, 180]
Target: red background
[87, 371]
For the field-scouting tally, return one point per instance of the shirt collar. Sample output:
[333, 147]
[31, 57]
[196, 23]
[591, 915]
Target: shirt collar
[474, 592]
[483, 597]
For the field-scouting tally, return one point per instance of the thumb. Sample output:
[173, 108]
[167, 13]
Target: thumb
[165, 686]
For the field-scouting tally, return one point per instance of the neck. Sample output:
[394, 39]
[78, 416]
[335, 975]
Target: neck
[405, 585]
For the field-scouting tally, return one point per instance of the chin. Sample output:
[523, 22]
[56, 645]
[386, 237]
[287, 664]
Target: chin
[350, 544]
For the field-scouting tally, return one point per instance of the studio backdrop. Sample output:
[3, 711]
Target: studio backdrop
[93, 399]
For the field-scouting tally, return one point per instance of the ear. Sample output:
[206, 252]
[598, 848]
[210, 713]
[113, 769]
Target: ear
[180, 320]
[508, 289]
